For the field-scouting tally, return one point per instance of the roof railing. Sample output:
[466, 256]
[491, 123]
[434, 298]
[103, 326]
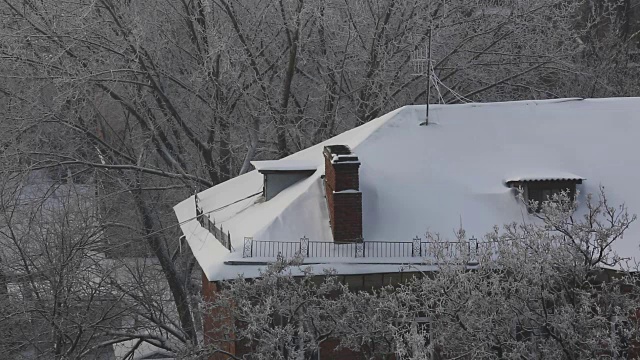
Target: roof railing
[360, 249]
[217, 232]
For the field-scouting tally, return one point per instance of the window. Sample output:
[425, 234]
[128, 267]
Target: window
[416, 336]
[530, 332]
[540, 194]
[280, 174]
[621, 332]
[541, 190]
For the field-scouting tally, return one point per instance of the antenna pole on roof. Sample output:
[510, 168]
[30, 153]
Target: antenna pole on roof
[421, 58]
[426, 121]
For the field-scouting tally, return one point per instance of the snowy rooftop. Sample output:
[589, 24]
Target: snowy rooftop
[433, 178]
[285, 165]
[545, 176]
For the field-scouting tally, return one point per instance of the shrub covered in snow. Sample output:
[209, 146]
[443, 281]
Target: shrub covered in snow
[547, 288]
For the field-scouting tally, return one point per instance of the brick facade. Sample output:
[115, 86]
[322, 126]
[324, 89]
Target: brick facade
[214, 322]
[341, 177]
[216, 319]
[342, 188]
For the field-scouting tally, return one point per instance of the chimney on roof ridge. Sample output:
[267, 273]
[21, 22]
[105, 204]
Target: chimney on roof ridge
[342, 187]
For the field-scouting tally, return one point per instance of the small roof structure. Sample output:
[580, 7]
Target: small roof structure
[550, 175]
[285, 165]
[432, 178]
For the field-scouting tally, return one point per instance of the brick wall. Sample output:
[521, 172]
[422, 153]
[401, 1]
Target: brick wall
[341, 176]
[347, 215]
[344, 199]
[214, 321]
[329, 349]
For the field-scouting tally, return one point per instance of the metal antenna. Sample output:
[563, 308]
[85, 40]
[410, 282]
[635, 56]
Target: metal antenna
[422, 64]
[426, 121]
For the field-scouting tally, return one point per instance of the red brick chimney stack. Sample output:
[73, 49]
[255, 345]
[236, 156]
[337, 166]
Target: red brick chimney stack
[342, 187]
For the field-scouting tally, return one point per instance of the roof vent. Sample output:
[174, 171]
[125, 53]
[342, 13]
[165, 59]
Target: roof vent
[280, 174]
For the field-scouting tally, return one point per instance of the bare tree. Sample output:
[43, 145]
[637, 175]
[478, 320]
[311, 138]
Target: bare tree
[55, 303]
[149, 102]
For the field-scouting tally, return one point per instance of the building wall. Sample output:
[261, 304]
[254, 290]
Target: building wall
[275, 182]
[216, 320]
[359, 282]
[214, 323]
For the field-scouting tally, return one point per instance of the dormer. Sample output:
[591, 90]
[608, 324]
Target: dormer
[280, 174]
[542, 187]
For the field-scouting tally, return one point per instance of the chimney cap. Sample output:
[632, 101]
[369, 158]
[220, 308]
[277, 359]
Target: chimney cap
[340, 154]
[338, 149]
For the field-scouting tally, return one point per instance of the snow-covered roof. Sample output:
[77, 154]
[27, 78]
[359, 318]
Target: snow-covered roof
[435, 178]
[285, 165]
[135, 350]
[550, 175]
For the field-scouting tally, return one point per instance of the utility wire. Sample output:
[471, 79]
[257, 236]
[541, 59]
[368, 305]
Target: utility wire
[435, 83]
[204, 213]
[457, 95]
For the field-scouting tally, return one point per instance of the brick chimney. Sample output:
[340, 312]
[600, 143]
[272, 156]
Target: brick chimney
[342, 187]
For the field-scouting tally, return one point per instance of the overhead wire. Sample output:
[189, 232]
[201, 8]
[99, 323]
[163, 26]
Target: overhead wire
[456, 94]
[435, 83]
[204, 213]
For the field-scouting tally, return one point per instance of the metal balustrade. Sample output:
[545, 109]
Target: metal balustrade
[356, 249]
[359, 249]
[217, 232]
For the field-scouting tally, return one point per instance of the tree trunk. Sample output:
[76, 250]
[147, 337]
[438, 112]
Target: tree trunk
[178, 291]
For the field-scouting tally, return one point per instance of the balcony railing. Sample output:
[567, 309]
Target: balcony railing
[329, 249]
[363, 249]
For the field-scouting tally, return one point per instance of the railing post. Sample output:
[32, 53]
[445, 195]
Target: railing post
[304, 246]
[228, 240]
[416, 246]
[473, 249]
[198, 210]
[360, 248]
[247, 249]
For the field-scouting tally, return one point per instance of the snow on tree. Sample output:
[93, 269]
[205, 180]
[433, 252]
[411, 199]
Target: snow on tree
[549, 288]
[155, 100]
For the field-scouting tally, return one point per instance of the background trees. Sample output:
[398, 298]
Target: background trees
[146, 103]
[52, 301]
[206, 85]
[62, 296]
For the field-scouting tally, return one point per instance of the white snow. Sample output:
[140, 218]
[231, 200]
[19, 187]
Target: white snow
[225, 272]
[345, 162]
[349, 191]
[436, 178]
[141, 351]
[544, 175]
[345, 159]
[284, 165]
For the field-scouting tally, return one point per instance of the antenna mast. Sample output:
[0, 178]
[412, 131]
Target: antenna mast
[422, 66]
[426, 121]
